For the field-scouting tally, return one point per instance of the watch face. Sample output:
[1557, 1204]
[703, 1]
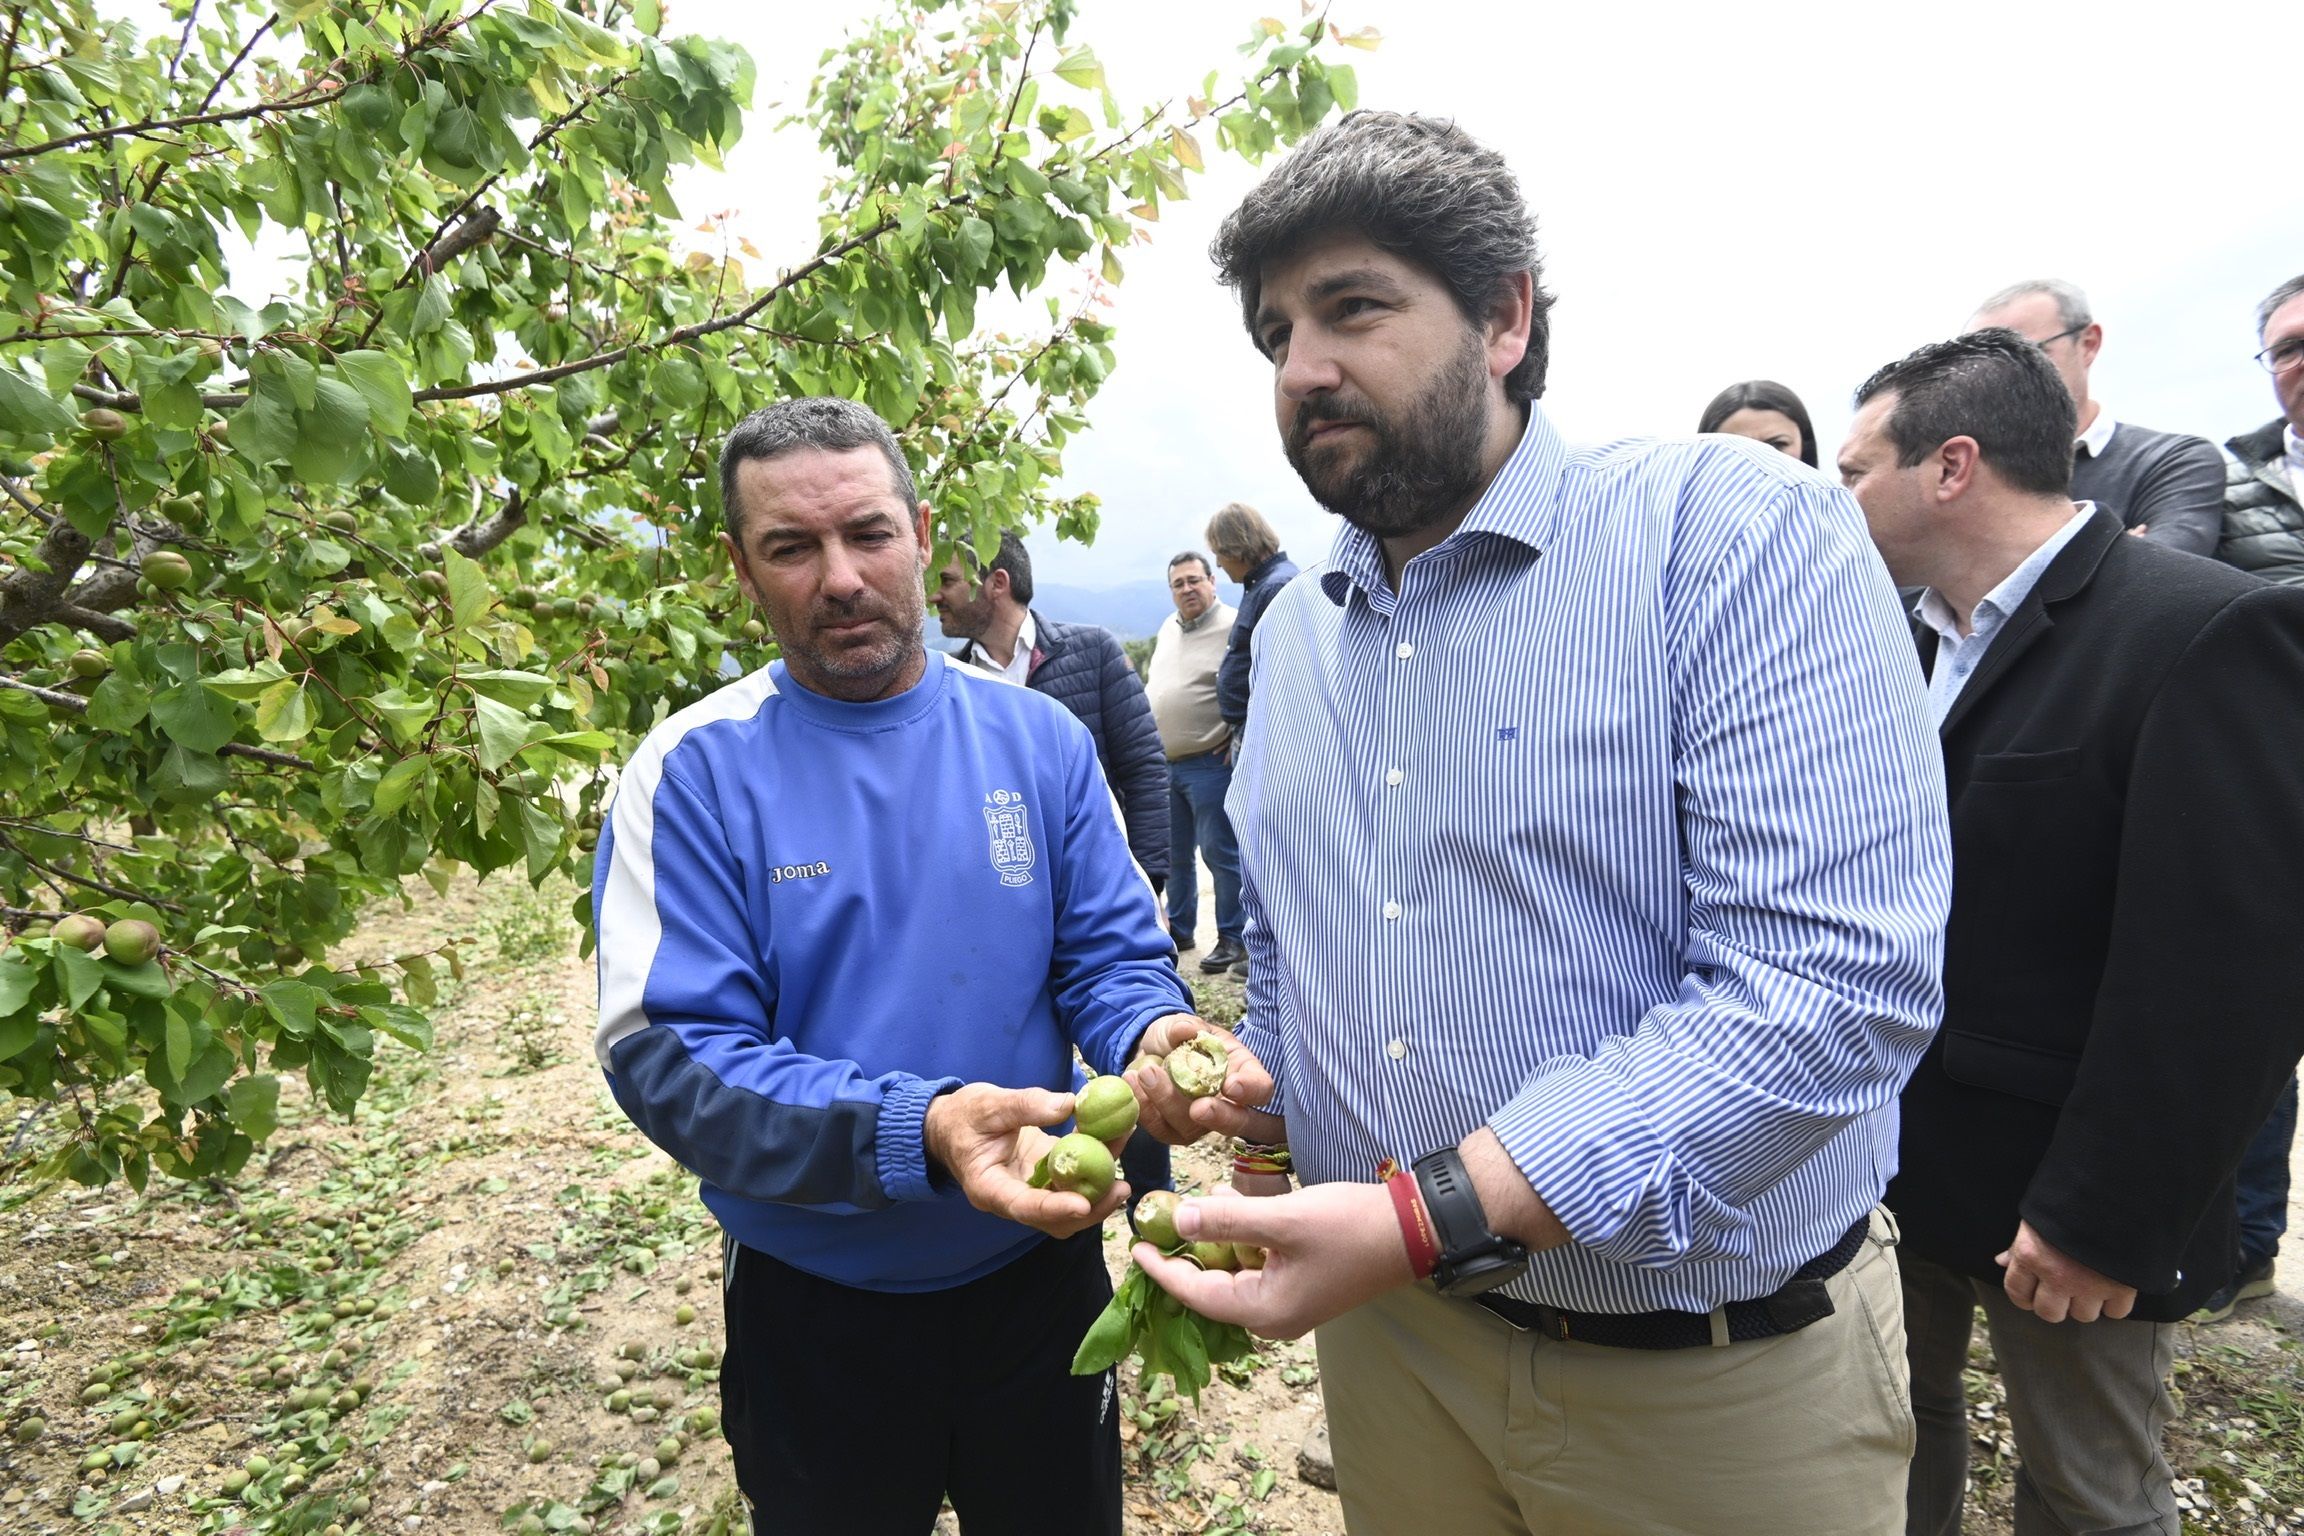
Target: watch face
[1482, 1272]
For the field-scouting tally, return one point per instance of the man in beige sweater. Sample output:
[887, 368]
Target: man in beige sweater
[1182, 686]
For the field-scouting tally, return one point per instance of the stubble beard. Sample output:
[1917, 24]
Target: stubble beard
[862, 671]
[1420, 468]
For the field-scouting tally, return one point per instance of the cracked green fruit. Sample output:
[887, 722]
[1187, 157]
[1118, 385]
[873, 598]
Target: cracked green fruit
[1197, 1067]
[1155, 1220]
[1077, 1164]
[1105, 1109]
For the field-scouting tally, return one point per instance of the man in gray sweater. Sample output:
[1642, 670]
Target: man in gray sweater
[2165, 486]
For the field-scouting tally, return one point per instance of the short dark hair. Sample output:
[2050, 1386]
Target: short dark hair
[1990, 385]
[823, 422]
[1195, 556]
[2291, 289]
[1762, 395]
[1419, 187]
[1016, 561]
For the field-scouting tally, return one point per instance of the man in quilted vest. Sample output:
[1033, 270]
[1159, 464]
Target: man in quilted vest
[2264, 481]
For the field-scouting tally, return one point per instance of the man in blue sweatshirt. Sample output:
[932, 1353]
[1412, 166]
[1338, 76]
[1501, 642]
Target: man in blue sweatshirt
[855, 912]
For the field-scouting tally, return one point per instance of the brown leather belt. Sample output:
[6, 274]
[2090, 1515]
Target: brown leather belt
[1801, 1300]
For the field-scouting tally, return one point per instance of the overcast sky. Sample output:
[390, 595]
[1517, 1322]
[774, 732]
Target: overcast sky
[1797, 191]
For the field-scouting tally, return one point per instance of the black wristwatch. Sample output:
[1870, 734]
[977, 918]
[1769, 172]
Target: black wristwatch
[1472, 1258]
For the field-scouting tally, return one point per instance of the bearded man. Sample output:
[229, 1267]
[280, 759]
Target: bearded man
[1595, 866]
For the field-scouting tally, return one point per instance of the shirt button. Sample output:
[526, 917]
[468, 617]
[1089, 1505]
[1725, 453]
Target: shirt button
[1398, 1049]
[1391, 909]
[1394, 776]
[1403, 650]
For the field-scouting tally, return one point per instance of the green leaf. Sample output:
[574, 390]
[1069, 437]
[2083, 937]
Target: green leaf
[254, 1106]
[543, 834]
[648, 16]
[26, 410]
[381, 383]
[264, 429]
[518, 689]
[1080, 68]
[179, 1045]
[78, 975]
[284, 713]
[338, 415]
[469, 596]
[245, 683]
[147, 980]
[975, 240]
[118, 704]
[193, 716]
[186, 777]
[399, 782]
[19, 978]
[295, 1004]
[503, 731]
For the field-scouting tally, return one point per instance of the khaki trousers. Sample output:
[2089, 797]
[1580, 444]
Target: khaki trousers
[1446, 1419]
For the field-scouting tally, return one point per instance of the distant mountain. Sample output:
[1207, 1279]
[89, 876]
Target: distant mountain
[1132, 611]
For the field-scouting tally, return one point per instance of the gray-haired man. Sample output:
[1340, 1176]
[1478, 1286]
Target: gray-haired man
[2165, 486]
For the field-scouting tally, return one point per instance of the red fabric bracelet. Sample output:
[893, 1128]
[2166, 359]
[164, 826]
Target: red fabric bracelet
[1415, 1221]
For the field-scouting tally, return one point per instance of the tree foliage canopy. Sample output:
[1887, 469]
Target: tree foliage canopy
[301, 598]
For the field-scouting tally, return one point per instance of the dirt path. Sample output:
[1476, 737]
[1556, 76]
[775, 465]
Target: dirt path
[486, 1305]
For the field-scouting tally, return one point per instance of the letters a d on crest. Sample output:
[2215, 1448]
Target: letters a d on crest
[1011, 832]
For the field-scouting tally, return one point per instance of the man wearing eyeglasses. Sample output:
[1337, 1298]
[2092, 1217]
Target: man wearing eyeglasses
[2165, 486]
[2264, 534]
[2264, 486]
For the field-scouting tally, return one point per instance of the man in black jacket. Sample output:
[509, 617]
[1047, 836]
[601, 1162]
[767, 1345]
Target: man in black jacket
[2264, 489]
[2124, 995]
[1249, 550]
[1081, 667]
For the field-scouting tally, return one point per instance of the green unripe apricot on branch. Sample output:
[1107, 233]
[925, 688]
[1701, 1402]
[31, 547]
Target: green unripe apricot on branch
[1198, 1067]
[166, 569]
[104, 425]
[434, 582]
[132, 941]
[1105, 1109]
[1077, 1164]
[81, 931]
[90, 663]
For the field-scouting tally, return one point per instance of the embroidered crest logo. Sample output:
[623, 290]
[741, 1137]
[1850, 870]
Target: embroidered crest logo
[1011, 833]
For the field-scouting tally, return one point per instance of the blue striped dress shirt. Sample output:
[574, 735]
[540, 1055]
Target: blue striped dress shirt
[1619, 828]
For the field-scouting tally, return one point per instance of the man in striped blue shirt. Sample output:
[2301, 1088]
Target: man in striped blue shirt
[1595, 858]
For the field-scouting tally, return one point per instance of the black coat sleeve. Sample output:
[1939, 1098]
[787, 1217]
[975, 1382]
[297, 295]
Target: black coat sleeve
[2200, 1016]
[2179, 501]
[1139, 766]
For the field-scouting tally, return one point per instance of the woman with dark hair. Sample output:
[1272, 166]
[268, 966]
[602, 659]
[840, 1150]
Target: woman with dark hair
[1766, 412]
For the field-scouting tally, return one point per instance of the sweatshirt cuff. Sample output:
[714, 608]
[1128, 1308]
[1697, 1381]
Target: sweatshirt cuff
[900, 1151]
[1585, 1148]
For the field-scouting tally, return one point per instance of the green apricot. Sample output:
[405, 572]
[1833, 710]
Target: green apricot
[1155, 1219]
[1198, 1067]
[1077, 1164]
[1105, 1109]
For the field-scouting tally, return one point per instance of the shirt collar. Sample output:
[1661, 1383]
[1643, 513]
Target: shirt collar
[2295, 444]
[1994, 607]
[2098, 437]
[1190, 626]
[1520, 505]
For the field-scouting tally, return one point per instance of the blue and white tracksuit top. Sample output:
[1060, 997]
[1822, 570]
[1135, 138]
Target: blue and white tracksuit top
[815, 916]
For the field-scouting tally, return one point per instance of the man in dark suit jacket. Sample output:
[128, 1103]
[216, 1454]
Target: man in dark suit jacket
[2124, 989]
